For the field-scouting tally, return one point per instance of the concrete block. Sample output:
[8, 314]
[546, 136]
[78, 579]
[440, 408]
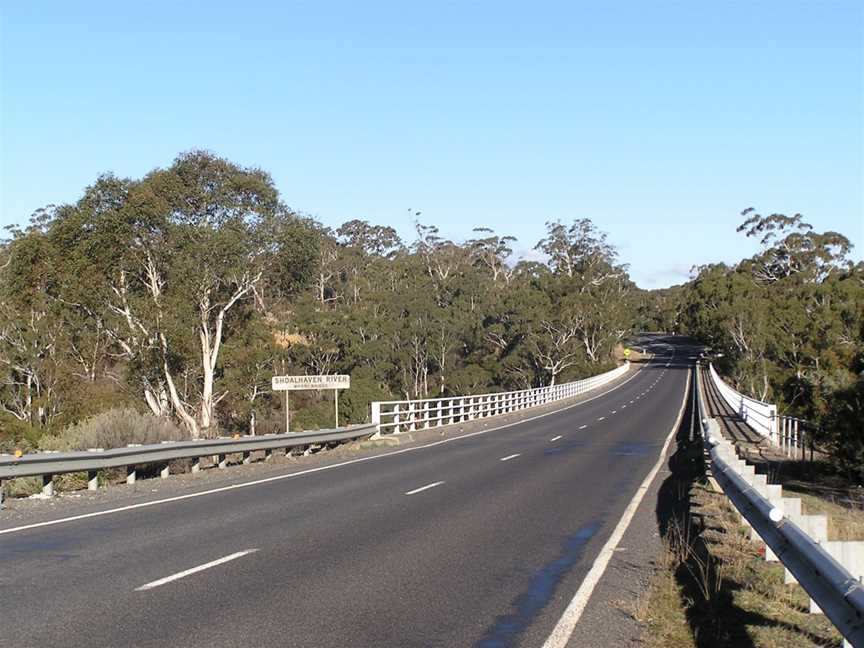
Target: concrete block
[848, 553]
[816, 526]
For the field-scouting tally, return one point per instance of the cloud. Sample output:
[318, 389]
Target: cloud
[665, 277]
[529, 254]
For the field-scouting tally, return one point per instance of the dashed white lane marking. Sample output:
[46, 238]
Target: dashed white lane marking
[614, 411]
[582, 427]
[308, 471]
[555, 438]
[194, 570]
[567, 623]
[631, 402]
[423, 488]
[509, 457]
[601, 418]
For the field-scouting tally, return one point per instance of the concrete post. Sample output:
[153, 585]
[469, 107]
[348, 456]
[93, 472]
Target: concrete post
[92, 480]
[223, 461]
[376, 414]
[48, 485]
[130, 474]
[196, 464]
[247, 458]
[165, 472]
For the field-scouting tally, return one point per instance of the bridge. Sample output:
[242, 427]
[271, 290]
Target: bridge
[494, 531]
[490, 520]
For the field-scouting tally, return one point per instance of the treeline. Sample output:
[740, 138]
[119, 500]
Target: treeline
[180, 294]
[789, 323]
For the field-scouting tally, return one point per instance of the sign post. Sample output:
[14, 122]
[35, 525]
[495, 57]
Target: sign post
[297, 383]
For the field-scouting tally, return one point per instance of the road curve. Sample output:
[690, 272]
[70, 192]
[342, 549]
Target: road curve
[481, 541]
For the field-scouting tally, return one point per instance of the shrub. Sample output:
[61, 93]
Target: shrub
[114, 428]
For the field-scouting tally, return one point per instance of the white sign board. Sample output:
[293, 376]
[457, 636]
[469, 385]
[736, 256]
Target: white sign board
[296, 383]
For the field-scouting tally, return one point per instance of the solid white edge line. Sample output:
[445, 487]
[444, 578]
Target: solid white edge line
[194, 570]
[265, 480]
[567, 623]
[555, 438]
[509, 457]
[423, 488]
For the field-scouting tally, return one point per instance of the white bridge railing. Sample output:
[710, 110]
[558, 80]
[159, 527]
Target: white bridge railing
[762, 417]
[789, 433]
[420, 414]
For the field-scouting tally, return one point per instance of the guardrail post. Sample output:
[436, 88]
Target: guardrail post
[223, 461]
[92, 480]
[412, 406]
[48, 485]
[196, 464]
[247, 458]
[268, 454]
[426, 407]
[165, 472]
[130, 474]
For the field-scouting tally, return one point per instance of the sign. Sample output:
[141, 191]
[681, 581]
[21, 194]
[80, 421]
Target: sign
[296, 383]
[626, 353]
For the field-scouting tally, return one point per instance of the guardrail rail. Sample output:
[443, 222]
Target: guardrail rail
[49, 464]
[812, 561]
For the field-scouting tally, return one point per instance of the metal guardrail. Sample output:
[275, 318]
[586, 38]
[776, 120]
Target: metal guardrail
[410, 415]
[836, 591]
[48, 464]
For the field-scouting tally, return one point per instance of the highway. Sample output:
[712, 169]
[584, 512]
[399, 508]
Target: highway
[480, 541]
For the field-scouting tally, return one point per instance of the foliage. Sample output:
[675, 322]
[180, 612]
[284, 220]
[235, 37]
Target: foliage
[181, 293]
[114, 428]
[789, 323]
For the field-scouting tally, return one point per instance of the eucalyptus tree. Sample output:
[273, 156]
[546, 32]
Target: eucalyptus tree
[31, 334]
[492, 252]
[173, 260]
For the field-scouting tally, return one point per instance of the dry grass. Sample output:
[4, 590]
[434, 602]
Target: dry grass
[713, 588]
[845, 520]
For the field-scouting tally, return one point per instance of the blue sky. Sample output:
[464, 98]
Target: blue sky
[660, 121]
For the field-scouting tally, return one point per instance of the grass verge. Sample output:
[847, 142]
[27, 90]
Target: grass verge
[712, 586]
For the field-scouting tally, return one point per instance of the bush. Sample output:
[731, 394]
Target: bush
[114, 428]
[18, 434]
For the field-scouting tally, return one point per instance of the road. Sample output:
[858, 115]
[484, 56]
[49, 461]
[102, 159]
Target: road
[479, 541]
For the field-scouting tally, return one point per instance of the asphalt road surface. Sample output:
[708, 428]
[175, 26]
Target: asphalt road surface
[480, 541]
